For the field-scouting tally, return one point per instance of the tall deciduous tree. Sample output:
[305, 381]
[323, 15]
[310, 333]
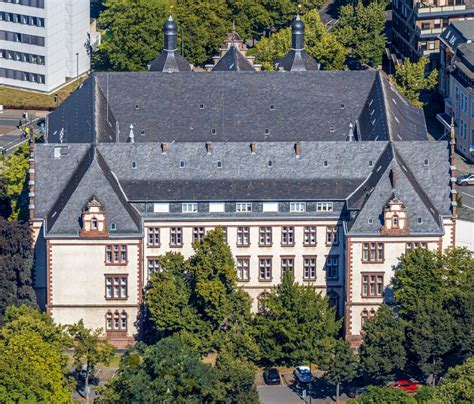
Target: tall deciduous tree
[134, 32]
[411, 79]
[458, 384]
[89, 350]
[376, 395]
[343, 366]
[382, 353]
[319, 43]
[295, 325]
[16, 263]
[361, 28]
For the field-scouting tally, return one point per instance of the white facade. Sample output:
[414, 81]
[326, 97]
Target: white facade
[465, 234]
[43, 43]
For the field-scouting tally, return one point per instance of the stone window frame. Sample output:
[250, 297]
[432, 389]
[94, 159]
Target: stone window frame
[116, 255]
[242, 258]
[377, 285]
[122, 279]
[176, 237]
[265, 236]
[377, 247]
[153, 236]
[310, 278]
[268, 268]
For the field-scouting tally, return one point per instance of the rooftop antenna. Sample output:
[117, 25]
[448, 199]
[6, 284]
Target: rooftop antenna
[131, 136]
[350, 137]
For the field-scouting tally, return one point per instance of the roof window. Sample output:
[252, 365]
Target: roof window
[142, 132]
[272, 107]
[270, 163]
[343, 106]
[201, 106]
[325, 163]
[182, 164]
[113, 226]
[267, 131]
[332, 129]
[419, 220]
[371, 163]
[134, 165]
[137, 107]
[426, 163]
[370, 221]
[219, 164]
[213, 131]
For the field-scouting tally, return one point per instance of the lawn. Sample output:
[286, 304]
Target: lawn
[23, 99]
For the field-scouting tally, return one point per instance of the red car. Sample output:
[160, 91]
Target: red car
[404, 385]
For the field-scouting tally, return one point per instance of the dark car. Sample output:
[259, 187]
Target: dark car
[272, 376]
[303, 374]
[353, 392]
[404, 385]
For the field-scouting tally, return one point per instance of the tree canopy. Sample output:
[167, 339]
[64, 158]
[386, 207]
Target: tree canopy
[376, 395]
[295, 325]
[319, 43]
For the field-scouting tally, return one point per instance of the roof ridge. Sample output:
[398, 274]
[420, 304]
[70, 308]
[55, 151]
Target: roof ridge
[386, 104]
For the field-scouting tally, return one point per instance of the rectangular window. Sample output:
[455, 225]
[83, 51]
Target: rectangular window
[176, 237]
[217, 207]
[287, 265]
[332, 267]
[332, 236]
[161, 207]
[243, 207]
[189, 207]
[324, 207]
[270, 206]
[116, 254]
[116, 287]
[198, 233]
[413, 245]
[309, 268]
[372, 285]
[265, 236]
[372, 252]
[297, 207]
[287, 236]
[153, 265]
[153, 236]
[243, 269]
[265, 268]
[309, 236]
[243, 236]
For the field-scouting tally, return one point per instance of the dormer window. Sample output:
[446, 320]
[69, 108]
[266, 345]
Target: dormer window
[426, 163]
[395, 218]
[93, 220]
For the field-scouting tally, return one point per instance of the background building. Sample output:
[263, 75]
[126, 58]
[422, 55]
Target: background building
[417, 25]
[43, 43]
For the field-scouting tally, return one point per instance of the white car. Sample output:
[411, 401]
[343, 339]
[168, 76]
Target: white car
[467, 179]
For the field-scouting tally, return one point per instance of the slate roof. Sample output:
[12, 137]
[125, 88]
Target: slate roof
[170, 62]
[356, 172]
[224, 106]
[297, 61]
[233, 60]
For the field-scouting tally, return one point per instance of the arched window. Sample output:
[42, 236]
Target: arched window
[364, 316]
[372, 312]
[108, 321]
[123, 321]
[261, 301]
[94, 223]
[116, 320]
[395, 222]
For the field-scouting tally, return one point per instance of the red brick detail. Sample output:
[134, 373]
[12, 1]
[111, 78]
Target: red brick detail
[348, 308]
[140, 272]
[49, 277]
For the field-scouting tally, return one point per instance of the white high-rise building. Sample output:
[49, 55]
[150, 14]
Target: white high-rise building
[43, 43]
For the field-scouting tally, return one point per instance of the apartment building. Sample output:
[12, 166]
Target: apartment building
[417, 25]
[43, 43]
[327, 175]
[456, 84]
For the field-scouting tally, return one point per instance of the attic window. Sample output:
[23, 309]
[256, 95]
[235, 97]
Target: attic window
[113, 226]
[219, 164]
[213, 131]
[134, 165]
[201, 106]
[371, 163]
[343, 106]
[371, 221]
[426, 163]
[142, 132]
[270, 163]
[332, 129]
[325, 163]
[137, 107]
[418, 220]
[267, 131]
[272, 107]
[182, 164]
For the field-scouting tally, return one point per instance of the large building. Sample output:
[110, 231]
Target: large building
[327, 175]
[417, 25]
[43, 43]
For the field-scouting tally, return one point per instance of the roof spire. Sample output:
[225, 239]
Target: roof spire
[171, 33]
[350, 136]
[452, 131]
[297, 33]
[131, 135]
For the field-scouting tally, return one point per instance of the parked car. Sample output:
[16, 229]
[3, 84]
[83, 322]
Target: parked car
[271, 376]
[353, 392]
[404, 385]
[467, 179]
[303, 374]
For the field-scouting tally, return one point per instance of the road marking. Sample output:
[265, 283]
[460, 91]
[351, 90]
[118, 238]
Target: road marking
[466, 206]
[467, 194]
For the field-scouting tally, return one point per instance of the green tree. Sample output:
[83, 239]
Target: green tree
[169, 371]
[382, 353]
[295, 325]
[16, 263]
[361, 29]
[382, 395]
[31, 371]
[134, 32]
[14, 175]
[411, 79]
[430, 336]
[319, 43]
[458, 384]
[89, 350]
[343, 365]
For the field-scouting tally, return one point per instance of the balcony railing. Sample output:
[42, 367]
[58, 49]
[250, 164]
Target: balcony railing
[426, 8]
[429, 31]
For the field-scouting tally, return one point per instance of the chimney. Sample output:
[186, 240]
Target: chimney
[131, 135]
[350, 136]
[209, 147]
[298, 149]
[171, 33]
[253, 148]
[164, 148]
[297, 34]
